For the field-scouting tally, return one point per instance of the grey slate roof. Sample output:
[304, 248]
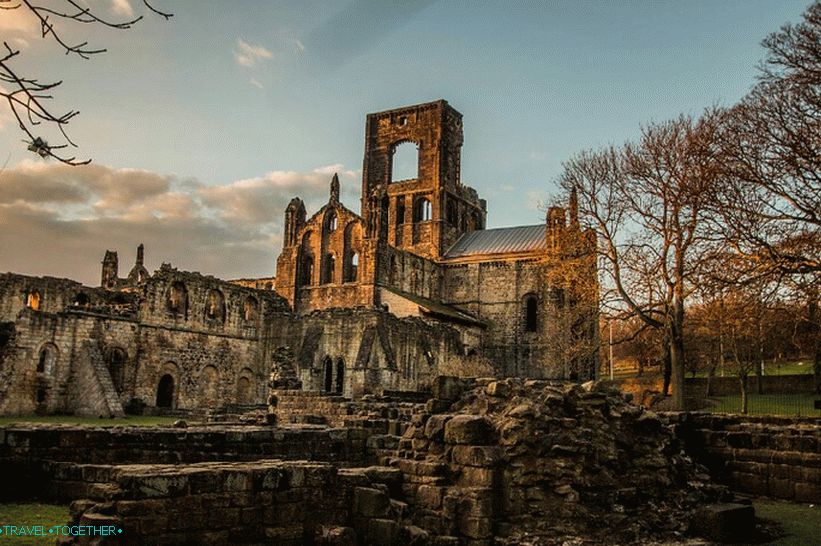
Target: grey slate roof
[499, 241]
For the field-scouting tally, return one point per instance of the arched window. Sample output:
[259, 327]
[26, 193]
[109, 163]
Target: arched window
[405, 162]
[331, 221]
[116, 367]
[328, 371]
[423, 211]
[215, 306]
[81, 300]
[330, 267]
[33, 300]
[353, 268]
[307, 271]
[531, 314]
[250, 309]
[177, 299]
[46, 359]
[244, 395]
[452, 215]
[165, 392]
[339, 384]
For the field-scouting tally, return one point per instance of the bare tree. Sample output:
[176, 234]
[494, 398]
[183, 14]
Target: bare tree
[646, 203]
[771, 145]
[27, 97]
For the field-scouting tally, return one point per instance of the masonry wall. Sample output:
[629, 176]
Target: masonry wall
[771, 456]
[378, 351]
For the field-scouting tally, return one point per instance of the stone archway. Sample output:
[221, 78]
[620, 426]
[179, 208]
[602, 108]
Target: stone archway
[165, 392]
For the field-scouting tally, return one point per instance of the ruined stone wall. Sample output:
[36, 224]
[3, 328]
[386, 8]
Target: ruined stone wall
[330, 263]
[377, 350]
[52, 294]
[410, 273]
[771, 456]
[211, 343]
[495, 292]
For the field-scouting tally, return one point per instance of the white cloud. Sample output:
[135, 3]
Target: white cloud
[59, 220]
[19, 21]
[122, 8]
[255, 83]
[247, 55]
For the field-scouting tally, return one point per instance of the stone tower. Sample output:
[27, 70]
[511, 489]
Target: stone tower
[111, 270]
[427, 213]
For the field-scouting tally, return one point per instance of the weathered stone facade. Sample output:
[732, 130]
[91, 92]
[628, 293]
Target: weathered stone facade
[386, 299]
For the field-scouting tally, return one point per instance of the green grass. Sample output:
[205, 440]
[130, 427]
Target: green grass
[798, 367]
[31, 514]
[768, 404]
[138, 420]
[800, 522]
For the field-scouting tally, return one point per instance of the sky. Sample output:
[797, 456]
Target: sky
[202, 128]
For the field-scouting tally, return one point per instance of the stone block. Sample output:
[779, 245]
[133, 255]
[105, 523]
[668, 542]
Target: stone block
[435, 427]
[469, 429]
[724, 522]
[429, 496]
[371, 503]
[382, 532]
[487, 456]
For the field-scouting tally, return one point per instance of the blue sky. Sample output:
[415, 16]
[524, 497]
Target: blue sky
[201, 128]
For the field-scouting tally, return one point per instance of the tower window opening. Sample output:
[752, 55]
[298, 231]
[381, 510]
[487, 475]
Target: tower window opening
[423, 211]
[531, 314]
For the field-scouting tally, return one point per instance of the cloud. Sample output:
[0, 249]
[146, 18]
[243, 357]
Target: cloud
[19, 22]
[59, 220]
[255, 83]
[247, 55]
[122, 8]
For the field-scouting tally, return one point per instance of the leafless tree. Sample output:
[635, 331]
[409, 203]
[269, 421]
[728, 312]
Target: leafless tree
[27, 97]
[646, 203]
[770, 202]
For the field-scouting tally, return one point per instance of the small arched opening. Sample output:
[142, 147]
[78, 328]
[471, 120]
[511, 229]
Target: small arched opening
[331, 221]
[46, 359]
[117, 358]
[81, 300]
[177, 299]
[250, 309]
[33, 300]
[245, 388]
[215, 306]
[423, 210]
[531, 313]
[165, 392]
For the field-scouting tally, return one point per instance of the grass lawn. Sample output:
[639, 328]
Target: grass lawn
[800, 522]
[769, 404]
[798, 367]
[31, 514]
[138, 420]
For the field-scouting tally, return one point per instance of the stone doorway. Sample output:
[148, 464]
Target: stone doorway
[165, 392]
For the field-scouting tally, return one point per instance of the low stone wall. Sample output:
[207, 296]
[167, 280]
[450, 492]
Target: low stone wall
[770, 384]
[24, 449]
[268, 501]
[390, 413]
[770, 456]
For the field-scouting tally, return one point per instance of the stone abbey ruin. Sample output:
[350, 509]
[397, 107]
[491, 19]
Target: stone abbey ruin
[400, 381]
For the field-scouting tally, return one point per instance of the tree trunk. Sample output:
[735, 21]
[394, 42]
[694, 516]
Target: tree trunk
[742, 376]
[665, 364]
[677, 368]
[711, 372]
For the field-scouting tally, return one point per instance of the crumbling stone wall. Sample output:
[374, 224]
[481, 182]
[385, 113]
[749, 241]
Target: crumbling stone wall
[771, 456]
[377, 350]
